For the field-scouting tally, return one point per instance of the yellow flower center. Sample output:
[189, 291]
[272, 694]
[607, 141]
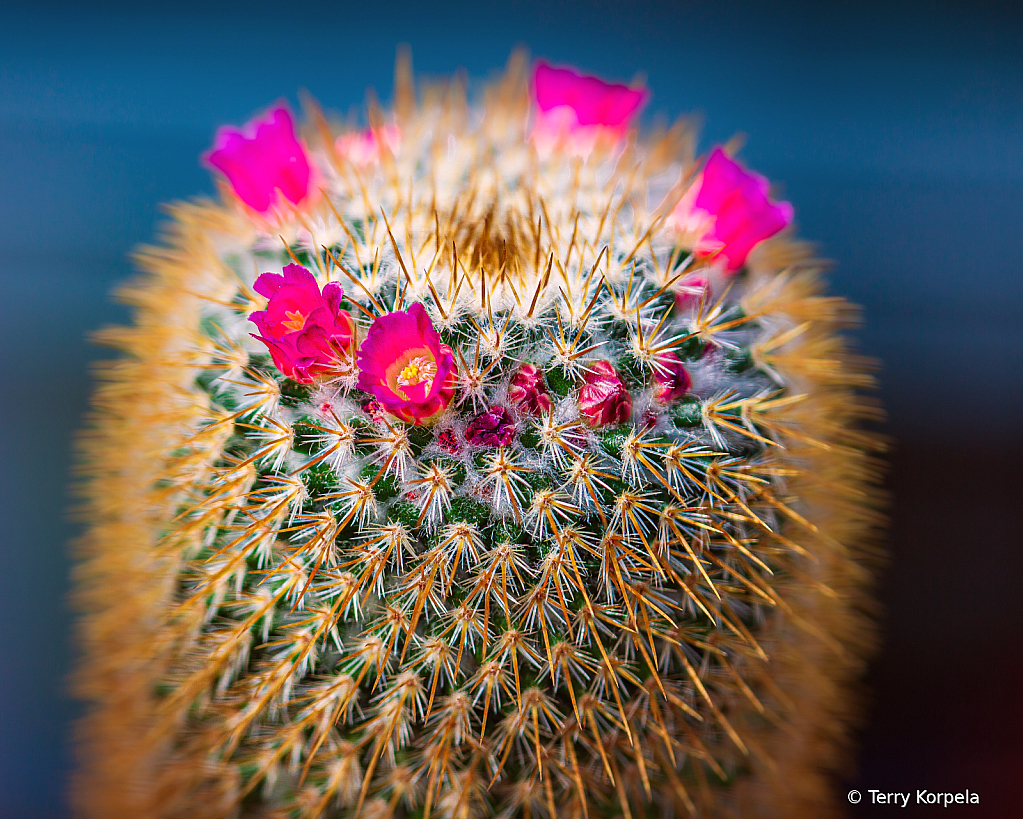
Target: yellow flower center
[295, 322]
[419, 370]
[410, 375]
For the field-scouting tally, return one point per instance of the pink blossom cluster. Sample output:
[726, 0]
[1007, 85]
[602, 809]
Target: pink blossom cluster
[604, 399]
[727, 209]
[402, 362]
[409, 372]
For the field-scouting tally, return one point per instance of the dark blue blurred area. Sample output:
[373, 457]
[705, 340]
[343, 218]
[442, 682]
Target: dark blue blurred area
[895, 130]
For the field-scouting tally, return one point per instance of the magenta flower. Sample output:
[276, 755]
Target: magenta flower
[580, 110]
[494, 427]
[729, 209]
[306, 331]
[528, 391]
[671, 379]
[365, 147]
[404, 365]
[263, 158]
[603, 398]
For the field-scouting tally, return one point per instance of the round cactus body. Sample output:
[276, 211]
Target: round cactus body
[493, 461]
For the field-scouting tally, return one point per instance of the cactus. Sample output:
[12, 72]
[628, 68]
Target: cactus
[476, 464]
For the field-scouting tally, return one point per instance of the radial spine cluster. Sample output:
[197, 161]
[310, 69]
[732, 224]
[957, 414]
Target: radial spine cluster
[608, 561]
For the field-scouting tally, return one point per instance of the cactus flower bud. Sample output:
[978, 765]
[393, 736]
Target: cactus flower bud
[692, 289]
[306, 331]
[728, 208]
[364, 148]
[671, 378]
[528, 391]
[374, 409]
[494, 427]
[263, 158]
[403, 363]
[603, 399]
[448, 441]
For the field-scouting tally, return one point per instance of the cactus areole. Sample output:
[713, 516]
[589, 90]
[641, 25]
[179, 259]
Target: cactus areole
[500, 459]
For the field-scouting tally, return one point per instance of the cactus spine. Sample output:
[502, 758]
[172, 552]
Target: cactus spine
[297, 604]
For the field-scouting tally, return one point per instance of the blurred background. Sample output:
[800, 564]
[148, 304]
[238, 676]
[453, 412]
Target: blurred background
[896, 130]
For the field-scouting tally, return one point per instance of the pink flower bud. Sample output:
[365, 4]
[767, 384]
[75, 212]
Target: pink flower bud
[404, 365]
[263, 158]
[374, 409]
[306, 331]
[365, 147]
[671, 378]
[448, 442]
[528, 391]
[603, 399]
[494, 427]
[692, 289]
[728, 207]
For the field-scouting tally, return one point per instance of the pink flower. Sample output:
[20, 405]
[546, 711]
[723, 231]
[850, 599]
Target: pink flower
[671, 379]
[263, 158]
[528, 391]
[603, 398]
[580, 110]
[306, 331]
[728, 207]
[364, 148]
[494, 427]
[404, 365]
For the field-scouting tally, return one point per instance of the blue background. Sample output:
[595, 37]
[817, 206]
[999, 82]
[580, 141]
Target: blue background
[896, 130]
